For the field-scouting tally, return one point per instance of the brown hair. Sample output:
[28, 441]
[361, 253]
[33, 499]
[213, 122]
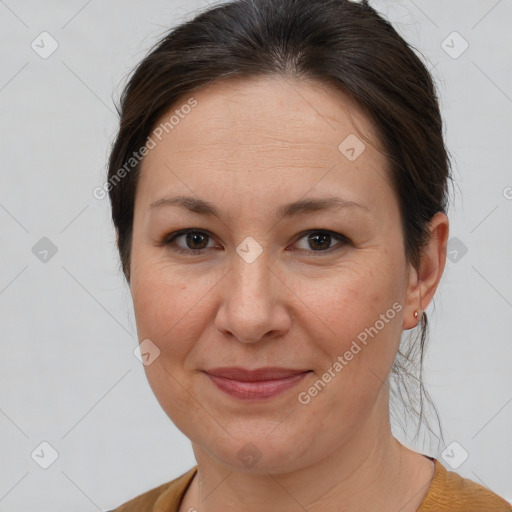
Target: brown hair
[339, 42]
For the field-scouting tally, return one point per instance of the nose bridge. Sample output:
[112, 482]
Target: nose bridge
[251, 274]
[249, 311]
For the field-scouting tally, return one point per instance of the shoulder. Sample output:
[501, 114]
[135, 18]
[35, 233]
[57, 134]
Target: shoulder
[449, 492]
[167, 496]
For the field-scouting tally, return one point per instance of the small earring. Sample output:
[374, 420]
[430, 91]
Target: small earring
[416, 314]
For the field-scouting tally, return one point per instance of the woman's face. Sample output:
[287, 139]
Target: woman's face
[264, 284]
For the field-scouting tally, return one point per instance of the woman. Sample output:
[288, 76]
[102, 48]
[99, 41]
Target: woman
[279, 191]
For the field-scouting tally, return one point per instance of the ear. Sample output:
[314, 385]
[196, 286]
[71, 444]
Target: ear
[423, 282]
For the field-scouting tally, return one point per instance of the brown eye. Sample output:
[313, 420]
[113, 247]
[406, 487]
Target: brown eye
[320, 241]
[194, 241]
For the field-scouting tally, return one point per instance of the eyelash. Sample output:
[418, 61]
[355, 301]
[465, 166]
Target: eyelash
[168, 241]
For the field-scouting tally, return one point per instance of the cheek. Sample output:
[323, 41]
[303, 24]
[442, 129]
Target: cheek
[166, 312]
[358, 315]
[164, 305]
[352, 298]
[357, 327]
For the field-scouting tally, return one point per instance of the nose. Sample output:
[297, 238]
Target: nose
[254, 306]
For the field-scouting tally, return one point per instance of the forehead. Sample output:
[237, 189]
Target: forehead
[249, 111]
[265, 136]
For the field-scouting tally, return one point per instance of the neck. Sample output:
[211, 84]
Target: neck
[370, 471]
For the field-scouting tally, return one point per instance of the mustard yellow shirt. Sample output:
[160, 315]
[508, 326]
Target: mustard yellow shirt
[448, 492]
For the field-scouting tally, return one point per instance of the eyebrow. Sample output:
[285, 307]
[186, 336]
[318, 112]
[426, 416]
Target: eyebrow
[202, 207]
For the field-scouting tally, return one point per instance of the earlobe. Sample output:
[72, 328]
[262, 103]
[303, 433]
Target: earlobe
[424, 281]
[412, 300]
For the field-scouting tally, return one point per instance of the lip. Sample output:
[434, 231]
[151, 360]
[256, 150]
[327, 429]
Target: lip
[258, 384]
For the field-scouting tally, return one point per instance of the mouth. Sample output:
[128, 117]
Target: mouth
[258, 384]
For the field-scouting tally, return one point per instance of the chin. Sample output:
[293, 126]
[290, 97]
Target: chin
[255, 446]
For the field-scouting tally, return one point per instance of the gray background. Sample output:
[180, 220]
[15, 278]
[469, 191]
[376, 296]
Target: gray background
[68, 373]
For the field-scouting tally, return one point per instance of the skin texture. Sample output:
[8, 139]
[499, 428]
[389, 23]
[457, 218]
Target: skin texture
[248, 147]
